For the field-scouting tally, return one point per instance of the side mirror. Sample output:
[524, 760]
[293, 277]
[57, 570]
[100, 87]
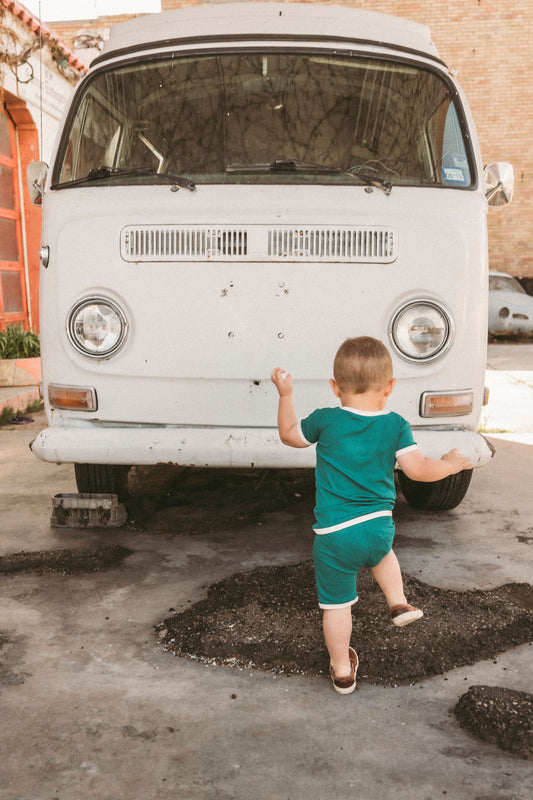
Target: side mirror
[36, 176]
[499, 182]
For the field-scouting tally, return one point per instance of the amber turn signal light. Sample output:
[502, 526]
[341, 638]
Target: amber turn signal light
[446, 404]
[72, 398]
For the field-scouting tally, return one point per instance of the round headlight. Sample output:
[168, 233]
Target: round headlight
[421, 330]
[97, 327]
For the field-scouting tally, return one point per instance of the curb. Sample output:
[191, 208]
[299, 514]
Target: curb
[20, 371]
[18, 397]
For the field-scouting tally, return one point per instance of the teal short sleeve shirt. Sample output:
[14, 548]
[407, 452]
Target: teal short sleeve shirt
[355, 457]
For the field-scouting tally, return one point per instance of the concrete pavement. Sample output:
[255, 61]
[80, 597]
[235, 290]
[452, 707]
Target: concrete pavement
[509, 413]
[93, 708]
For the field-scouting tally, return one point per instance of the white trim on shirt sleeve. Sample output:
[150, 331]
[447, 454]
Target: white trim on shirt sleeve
[406, 450]
[301, 435]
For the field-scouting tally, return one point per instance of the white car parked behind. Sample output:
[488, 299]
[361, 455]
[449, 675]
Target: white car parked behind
[510, 306]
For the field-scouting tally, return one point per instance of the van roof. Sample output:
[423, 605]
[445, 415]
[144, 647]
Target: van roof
[249, 19]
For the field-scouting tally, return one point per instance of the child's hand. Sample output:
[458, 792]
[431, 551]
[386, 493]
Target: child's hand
[456, 461]
[282, 380]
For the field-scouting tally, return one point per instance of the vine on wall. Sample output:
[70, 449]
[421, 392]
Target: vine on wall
[16, 51]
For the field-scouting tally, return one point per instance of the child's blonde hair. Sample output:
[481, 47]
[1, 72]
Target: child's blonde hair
[362, 364]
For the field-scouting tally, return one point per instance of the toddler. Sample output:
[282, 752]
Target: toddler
[358, 444]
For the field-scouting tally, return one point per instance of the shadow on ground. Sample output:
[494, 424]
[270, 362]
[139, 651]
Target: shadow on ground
[183, 500]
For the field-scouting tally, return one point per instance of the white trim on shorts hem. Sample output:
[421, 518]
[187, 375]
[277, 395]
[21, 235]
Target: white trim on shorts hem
[356, 521]
[338, 605]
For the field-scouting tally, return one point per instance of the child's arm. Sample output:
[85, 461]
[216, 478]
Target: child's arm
[422, 468]
[287, 419]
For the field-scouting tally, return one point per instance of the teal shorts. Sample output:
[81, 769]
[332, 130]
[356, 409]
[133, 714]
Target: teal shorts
[339, 556]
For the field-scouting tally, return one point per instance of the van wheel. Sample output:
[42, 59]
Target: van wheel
[102, 479]
[438, 495]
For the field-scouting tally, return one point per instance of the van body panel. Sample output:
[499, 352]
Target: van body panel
[270, 20]
[218, 327]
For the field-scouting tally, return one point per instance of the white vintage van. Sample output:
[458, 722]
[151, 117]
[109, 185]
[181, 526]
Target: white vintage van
[237, 187]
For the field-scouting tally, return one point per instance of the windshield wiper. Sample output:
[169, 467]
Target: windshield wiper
[294, 165]
[370, 180]
[101, 173]
[284, 165]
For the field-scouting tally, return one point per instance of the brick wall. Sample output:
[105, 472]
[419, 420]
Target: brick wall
[488, 43]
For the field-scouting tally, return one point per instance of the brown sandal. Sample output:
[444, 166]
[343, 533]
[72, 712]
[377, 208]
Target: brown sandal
[404, 614]
[346, 685]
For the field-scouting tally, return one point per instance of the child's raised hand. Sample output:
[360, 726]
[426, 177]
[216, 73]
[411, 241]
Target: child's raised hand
[456, 460]
[282, 381]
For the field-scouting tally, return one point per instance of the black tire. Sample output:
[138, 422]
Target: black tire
[102, 479]
[437, 496]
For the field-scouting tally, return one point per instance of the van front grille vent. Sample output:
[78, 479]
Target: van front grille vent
[333, 244]
[182, 243]
[365, 245]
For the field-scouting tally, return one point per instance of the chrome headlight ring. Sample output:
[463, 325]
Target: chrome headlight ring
[97, 327]
[421, 330]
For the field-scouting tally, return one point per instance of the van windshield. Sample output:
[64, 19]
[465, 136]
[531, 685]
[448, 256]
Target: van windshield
[265, 117]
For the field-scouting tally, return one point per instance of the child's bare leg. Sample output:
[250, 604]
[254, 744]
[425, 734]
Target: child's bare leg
[389, 578]
[337, 623]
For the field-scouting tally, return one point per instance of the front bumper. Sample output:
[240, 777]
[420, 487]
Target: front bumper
[216, 447]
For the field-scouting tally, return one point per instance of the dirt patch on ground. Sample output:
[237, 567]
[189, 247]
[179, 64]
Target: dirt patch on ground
[268, 619]
[68, 562]
[499, 716]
